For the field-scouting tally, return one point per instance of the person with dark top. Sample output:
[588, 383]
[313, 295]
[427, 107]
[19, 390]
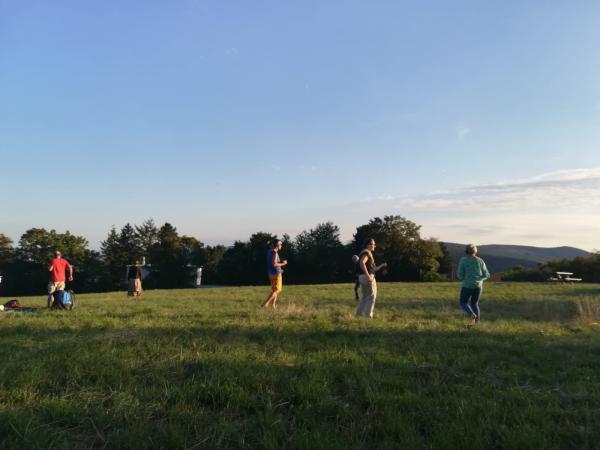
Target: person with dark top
[367, 268]
[134, 280]
[275, 271]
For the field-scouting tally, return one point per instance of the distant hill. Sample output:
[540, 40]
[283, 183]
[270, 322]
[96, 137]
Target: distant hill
[500, 258]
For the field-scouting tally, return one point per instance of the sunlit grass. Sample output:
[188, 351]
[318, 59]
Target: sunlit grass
[209, 369]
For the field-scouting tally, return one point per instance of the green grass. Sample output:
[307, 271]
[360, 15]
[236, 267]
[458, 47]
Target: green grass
[209, 369]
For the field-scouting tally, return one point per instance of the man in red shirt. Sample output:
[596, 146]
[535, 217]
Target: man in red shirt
[57, 274]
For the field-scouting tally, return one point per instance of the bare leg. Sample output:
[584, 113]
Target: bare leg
[269, 299]
[275, 300]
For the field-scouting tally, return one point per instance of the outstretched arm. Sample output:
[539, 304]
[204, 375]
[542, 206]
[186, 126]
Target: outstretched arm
[380, 266]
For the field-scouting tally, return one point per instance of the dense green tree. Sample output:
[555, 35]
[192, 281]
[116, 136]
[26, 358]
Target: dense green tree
[129, 243]
[172, 255]
[245, 263]
[399, 243]
[28, 273]
[37, 245]
[210, 259]
[114, 259]
[6, 259]
[92, 274]
[146, 235]
[6, 252]
[426, 260]
[585, 267]
[445, 261]
[320, 256]
[231, 266]
[519, 273]
[118, 250]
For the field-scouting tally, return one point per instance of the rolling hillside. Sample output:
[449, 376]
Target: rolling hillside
[500, 258]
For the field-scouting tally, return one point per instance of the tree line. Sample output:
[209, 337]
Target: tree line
[315, 256]
[585, 267]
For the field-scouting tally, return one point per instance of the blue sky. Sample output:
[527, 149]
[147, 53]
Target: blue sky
[478, 120]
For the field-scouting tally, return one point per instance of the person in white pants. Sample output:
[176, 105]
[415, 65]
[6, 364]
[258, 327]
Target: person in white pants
[366, 278]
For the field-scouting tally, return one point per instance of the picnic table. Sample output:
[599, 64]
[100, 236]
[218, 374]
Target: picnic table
[564, 277]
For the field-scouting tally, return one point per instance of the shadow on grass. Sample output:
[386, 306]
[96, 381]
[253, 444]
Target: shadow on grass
[492, 310]
[264, 386]
[570, 290]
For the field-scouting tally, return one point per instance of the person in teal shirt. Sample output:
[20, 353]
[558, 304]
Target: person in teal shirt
[472, 272]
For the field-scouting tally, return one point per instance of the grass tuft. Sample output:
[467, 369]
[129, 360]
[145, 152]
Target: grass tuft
[588, 309]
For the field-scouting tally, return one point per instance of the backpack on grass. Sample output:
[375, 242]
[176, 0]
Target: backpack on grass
[69, 299]
[62, 300]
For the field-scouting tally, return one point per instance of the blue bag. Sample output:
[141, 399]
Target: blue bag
[63, 300]
[67, 300]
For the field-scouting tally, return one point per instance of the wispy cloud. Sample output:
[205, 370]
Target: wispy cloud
[562, 178]
[556, 208]
[462, 131]
[230, 51]
[560, 189]
[561, 210]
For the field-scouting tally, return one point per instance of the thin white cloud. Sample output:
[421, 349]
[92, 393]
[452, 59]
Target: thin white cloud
[560, 211]
[462, 131]
[557, 208]
[230, 51]
[561, 178]
[554, 189]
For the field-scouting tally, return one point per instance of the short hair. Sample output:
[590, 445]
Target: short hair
[355, 259]
[470, 249]
[367, 242]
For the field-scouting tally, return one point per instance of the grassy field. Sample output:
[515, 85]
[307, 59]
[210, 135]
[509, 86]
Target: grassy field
[208, 369]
